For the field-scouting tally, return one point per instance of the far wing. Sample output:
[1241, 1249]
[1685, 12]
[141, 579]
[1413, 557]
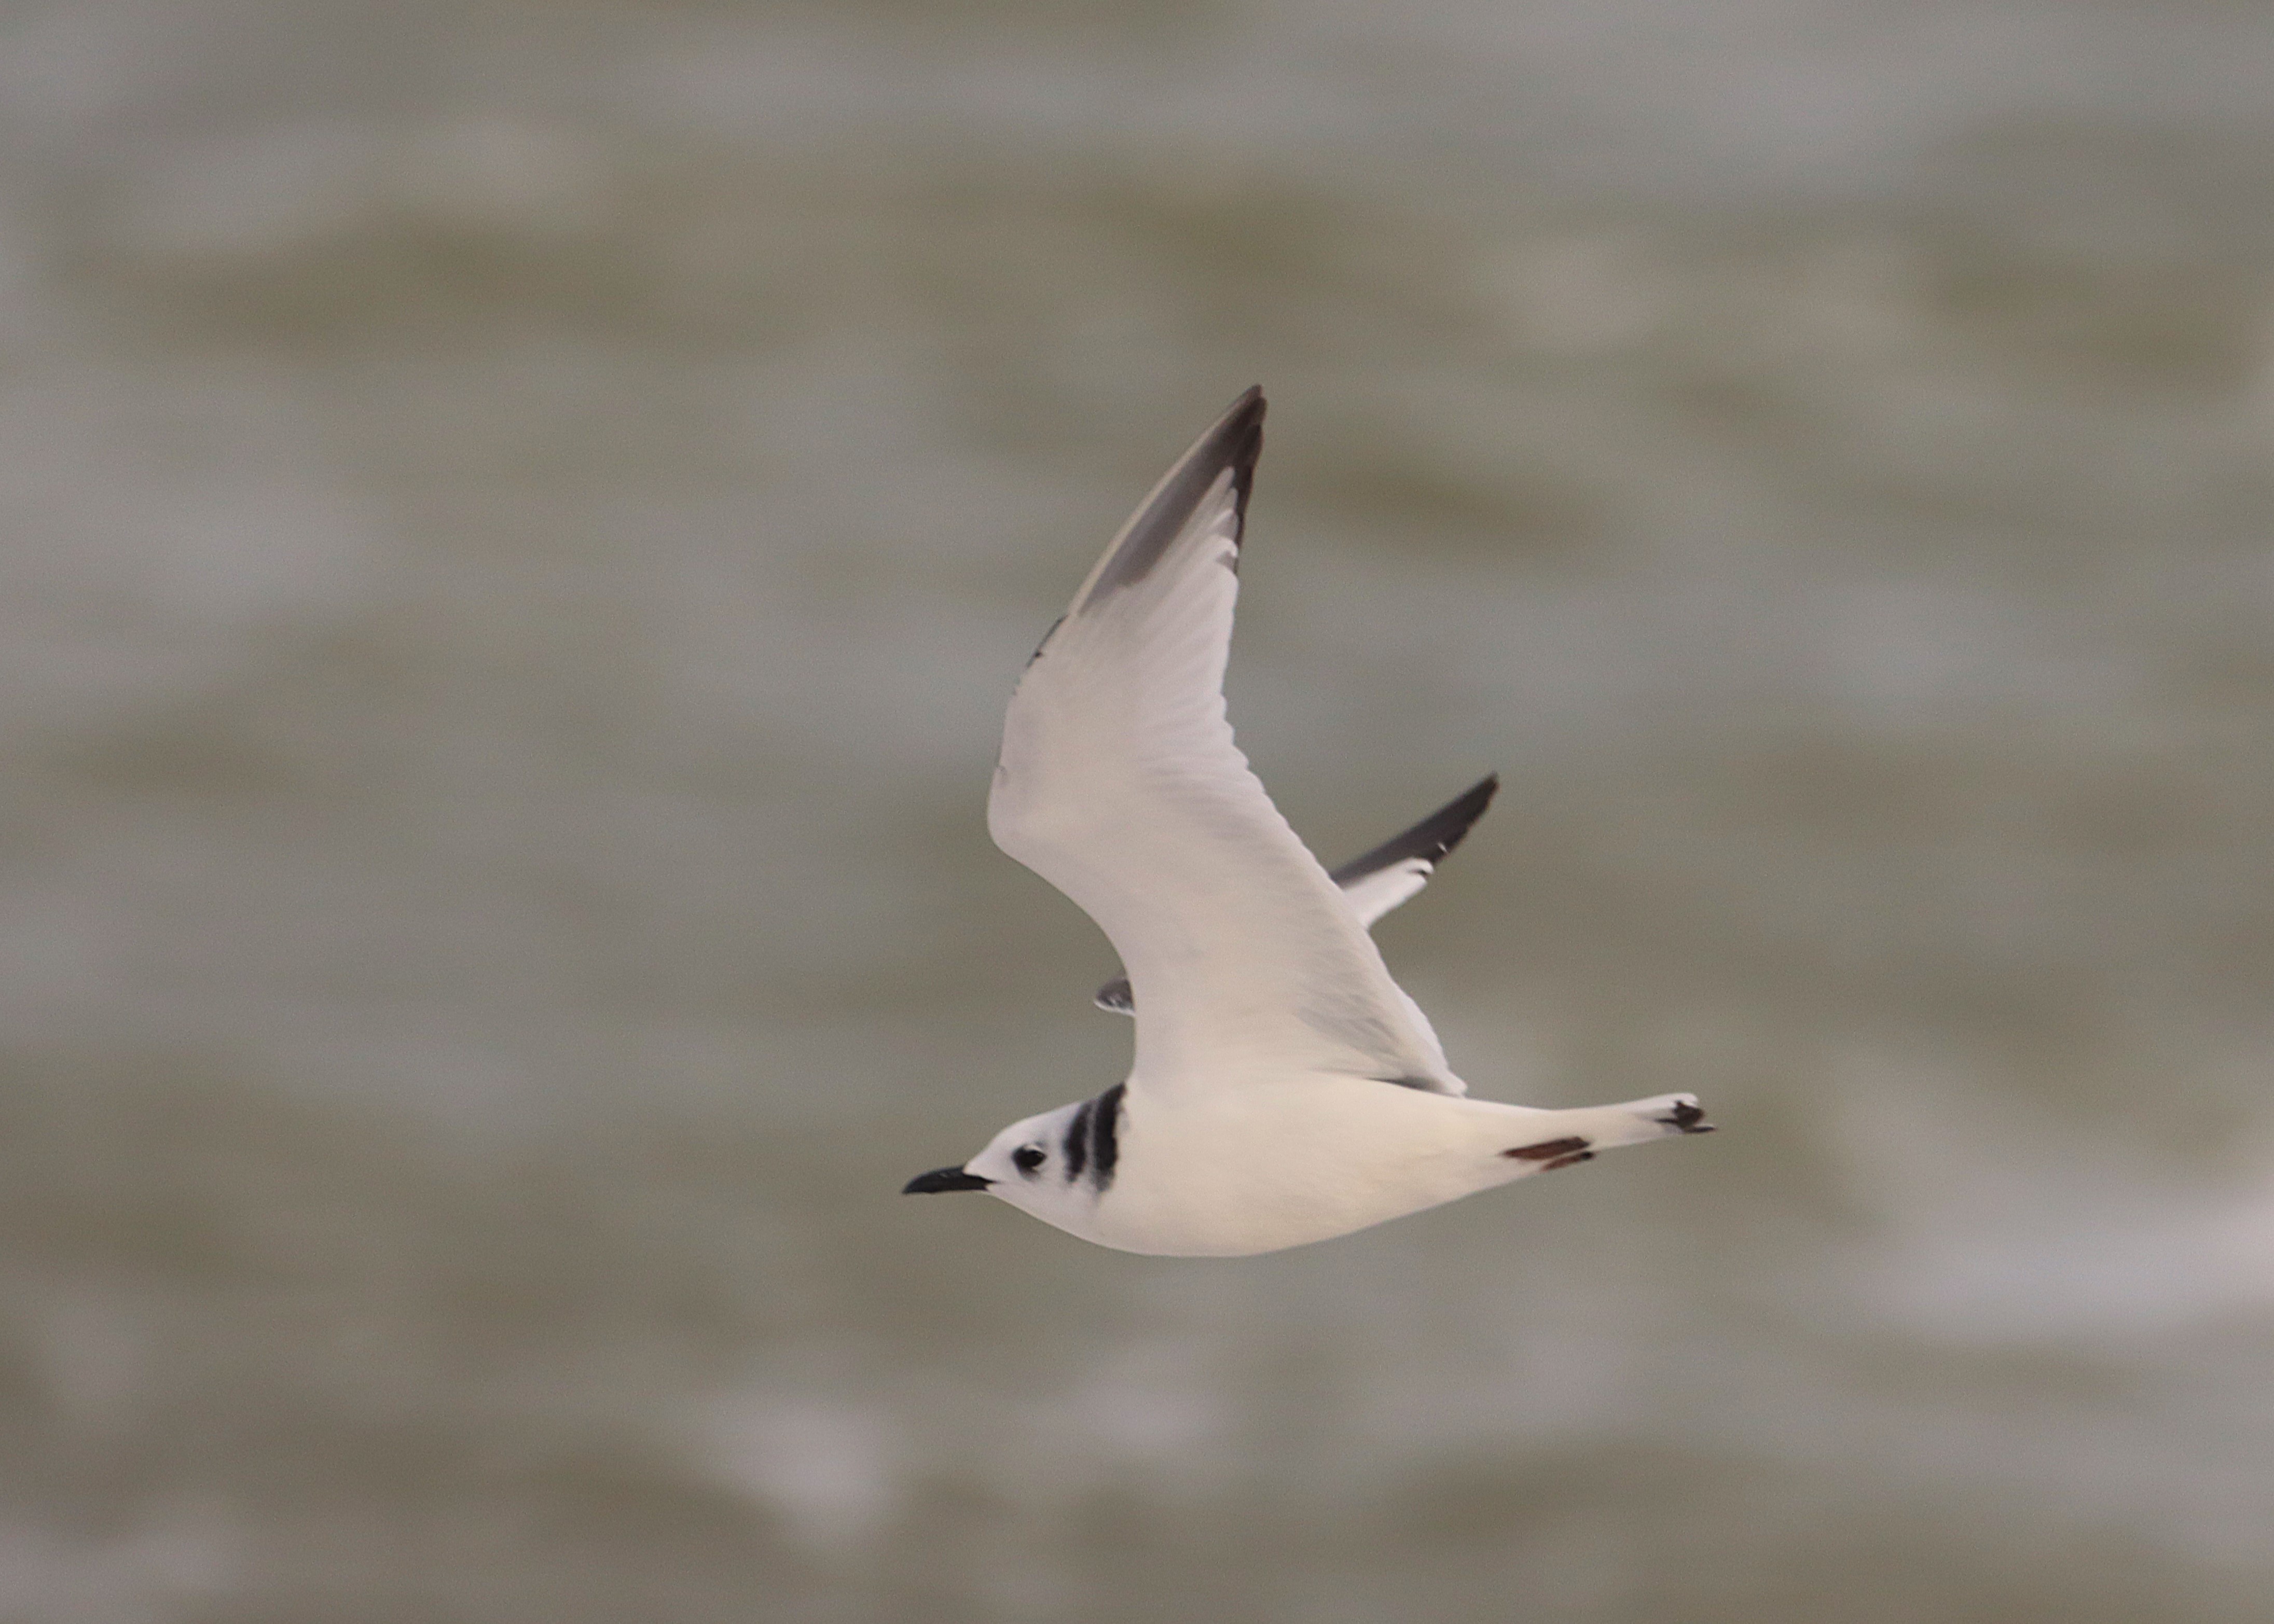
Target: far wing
[1389, 874]
[1120, 784]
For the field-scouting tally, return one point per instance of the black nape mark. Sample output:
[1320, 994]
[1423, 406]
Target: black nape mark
[1092, 1138]
[1555, 1152]
[1105, 1136]
[1077, 1141]
[1571, 1161]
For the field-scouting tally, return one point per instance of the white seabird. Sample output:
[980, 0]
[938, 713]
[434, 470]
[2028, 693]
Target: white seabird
[1285, 1088]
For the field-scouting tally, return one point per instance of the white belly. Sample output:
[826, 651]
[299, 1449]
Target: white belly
[1228, 1172]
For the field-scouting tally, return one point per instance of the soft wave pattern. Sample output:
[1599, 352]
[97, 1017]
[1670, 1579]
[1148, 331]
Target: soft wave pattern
[520, 523]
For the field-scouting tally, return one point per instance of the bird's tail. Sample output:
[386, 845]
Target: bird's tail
[1579, 1134]
[1655, 1118]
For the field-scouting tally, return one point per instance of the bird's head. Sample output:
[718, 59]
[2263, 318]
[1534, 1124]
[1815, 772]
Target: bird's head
[1028, 1165]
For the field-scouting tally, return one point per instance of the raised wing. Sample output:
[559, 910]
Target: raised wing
[1389, 874]
[1120, 784]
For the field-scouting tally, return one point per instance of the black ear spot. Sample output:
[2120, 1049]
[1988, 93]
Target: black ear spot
[1026, 1158]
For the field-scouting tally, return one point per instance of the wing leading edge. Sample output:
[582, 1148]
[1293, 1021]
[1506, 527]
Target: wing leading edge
[1120, 784]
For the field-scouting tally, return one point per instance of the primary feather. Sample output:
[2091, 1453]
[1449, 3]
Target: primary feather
[1120, 785]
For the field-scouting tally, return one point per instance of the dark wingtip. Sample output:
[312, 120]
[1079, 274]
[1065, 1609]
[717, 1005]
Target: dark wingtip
[1243, 426]
[1116, 996]
[1431, 839]
[1233, 443]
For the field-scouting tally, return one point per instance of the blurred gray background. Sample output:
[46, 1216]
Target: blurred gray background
[519, 523]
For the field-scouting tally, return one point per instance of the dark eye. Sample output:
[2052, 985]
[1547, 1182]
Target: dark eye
[1026, 1158]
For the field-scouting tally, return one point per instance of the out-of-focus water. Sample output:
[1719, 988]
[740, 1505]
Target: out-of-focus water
[520, 521]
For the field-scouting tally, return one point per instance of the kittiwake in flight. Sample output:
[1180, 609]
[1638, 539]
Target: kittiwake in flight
[1285, 1088]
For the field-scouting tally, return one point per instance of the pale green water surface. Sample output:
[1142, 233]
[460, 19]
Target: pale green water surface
[520, 520]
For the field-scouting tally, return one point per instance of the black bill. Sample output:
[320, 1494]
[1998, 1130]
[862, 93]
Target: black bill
[940, 1180]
